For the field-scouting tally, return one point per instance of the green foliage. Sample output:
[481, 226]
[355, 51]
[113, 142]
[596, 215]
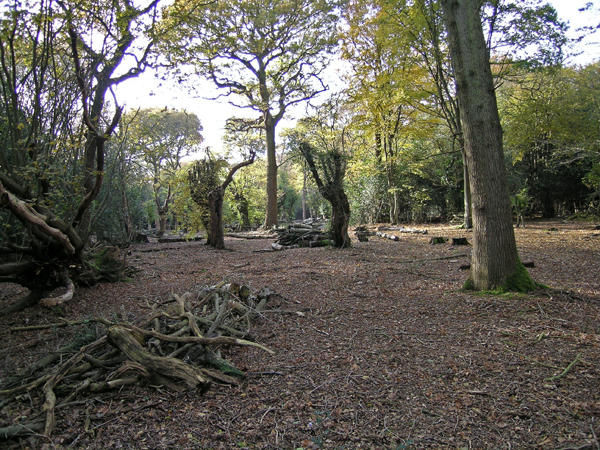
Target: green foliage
[252, 49]
[550, 120]
[156, 141]
[289, 200]
[184, 211]
[248, 190]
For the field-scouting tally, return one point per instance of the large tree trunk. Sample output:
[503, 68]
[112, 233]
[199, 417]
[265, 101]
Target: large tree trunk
[162, 223]
[216, 237]
[271, 218]
[495, 262]
[340, 216]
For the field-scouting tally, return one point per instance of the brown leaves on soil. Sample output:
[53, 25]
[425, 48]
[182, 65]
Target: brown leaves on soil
[376, 354]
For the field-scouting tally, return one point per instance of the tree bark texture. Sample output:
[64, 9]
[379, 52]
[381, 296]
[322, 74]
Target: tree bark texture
[271, 218]
[495, 256]
[216, 237]
[340, 215]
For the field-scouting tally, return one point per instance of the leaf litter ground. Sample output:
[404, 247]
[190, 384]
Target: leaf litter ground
[373, 352]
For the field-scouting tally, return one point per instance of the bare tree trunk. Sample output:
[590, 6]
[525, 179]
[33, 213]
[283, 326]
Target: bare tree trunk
[495, 262]
[340, 217]
[305, 174]
[271, 218]
[216, 237]
[467, 190]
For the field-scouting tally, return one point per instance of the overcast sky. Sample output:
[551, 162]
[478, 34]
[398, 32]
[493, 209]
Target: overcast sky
[146, 91]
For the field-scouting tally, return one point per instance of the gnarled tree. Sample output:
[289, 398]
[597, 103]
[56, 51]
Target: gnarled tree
[209, 195]
[324, 142]
[50, 66]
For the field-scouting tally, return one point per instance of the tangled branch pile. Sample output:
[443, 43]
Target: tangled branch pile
[301, 235]
[175, 346]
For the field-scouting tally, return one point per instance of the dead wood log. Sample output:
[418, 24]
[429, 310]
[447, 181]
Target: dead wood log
[299, 236]
[387, 236]
[122, 338]
[401, 230]
[250, 235]
[439, 258]
[164, 240]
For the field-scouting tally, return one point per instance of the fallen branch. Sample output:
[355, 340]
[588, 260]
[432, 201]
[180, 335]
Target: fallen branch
[387, 236]
[250, 236]
[533, 360]
[65, 323]
[55, 379]
[122, 338]
[198, 340]
[567, 369]
[402, 230]
[25, 429]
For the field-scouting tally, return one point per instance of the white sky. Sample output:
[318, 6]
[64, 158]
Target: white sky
[146, 91]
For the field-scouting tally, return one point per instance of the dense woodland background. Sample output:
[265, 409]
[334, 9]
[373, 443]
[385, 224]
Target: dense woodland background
[394, 120]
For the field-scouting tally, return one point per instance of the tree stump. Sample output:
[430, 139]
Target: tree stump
[438, 240]
[363, 236]
[141, 238]
[460, 241]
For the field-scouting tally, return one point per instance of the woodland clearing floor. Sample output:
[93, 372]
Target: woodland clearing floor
[372, 351]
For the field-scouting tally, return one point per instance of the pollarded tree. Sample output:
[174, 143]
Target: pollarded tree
[495, 260]
[160, 139]
[209, 195]
[266, 56]
[324, 141]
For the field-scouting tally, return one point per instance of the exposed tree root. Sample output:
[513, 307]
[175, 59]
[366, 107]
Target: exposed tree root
[31, 299]
[54, 301]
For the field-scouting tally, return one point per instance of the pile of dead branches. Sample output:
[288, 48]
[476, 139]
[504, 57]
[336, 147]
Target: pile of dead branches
[302, 235]
[175, 346]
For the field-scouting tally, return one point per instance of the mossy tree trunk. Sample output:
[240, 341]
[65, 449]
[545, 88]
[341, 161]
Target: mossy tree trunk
[495, 261]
